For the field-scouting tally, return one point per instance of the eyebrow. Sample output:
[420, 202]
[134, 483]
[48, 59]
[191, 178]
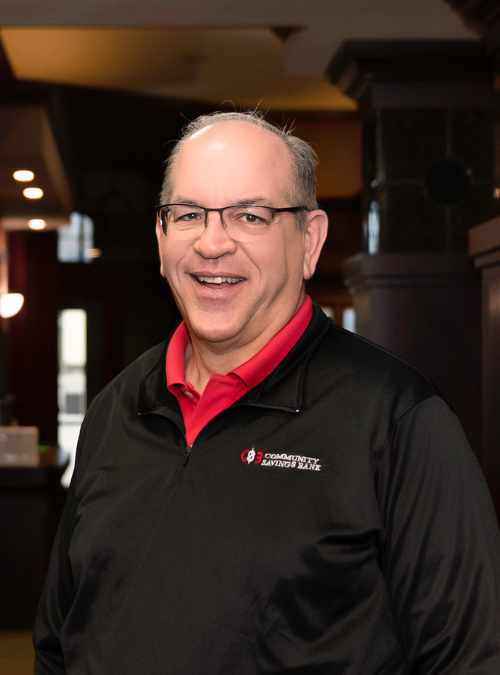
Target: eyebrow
[184, 200]
[241, 202]
[254, 200]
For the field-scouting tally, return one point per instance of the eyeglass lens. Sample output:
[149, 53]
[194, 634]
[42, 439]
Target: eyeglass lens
[243, 223]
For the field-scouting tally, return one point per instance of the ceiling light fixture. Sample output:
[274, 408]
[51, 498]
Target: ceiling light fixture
[10, 304]
[23, 175]
[33, 193]
[37, 224]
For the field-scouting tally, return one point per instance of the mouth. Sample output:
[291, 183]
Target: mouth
[218, 280]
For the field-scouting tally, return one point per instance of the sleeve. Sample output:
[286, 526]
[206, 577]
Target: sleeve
[59, 593]
[441, 555]
[57, 597]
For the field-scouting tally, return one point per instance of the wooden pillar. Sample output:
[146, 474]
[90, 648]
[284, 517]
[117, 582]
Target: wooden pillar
[428, 140]
[428, 156]
[484, 247]
[425, 307]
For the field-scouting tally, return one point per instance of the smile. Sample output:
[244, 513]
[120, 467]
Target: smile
[219, 280]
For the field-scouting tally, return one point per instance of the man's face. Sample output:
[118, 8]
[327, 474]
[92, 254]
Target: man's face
[222, 165]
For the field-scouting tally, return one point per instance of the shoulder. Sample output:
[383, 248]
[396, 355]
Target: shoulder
[135, 372]
[372, 378]
[116, 405]
[123, 390]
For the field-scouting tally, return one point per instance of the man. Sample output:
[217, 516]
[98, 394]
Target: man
[266, 493]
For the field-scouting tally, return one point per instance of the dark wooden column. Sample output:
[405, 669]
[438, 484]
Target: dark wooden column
[428, 130]
[484, 246]
[425, 308]
[428, 125]
[483, 17]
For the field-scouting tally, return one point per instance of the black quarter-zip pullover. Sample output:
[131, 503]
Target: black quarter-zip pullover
[333, 521]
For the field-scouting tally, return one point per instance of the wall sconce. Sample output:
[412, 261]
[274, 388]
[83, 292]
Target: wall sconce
[10, 304]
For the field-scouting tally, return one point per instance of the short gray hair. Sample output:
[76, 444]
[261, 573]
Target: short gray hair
[302, 190]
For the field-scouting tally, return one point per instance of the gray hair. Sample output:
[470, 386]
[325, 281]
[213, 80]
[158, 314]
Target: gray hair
[302, 189]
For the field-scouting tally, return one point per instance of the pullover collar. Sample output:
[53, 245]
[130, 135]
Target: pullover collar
[282, 389]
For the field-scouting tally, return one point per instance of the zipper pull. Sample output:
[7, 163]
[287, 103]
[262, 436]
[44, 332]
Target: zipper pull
[187, 452]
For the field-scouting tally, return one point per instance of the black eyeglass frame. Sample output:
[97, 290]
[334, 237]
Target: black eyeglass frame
[272, 209]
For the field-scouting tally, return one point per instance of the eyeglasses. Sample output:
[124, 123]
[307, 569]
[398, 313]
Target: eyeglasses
[248, 222]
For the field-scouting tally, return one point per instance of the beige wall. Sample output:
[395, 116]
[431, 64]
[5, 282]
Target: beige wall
[338, 145]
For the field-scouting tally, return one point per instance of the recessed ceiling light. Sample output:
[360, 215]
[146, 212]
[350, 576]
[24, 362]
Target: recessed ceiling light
[32, 193]
[37, 224]
[23, 175]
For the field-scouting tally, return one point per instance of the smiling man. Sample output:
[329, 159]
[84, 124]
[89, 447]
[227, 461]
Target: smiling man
[266, 492]
[237, 275]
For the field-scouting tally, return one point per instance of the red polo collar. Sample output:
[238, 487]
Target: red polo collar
[223, 390]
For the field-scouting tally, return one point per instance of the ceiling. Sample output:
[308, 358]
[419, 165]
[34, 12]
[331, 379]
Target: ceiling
[268, 54]
[264, 53]
[26, 140]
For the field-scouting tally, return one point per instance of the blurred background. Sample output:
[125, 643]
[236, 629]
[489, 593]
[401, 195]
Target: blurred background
[399, 100]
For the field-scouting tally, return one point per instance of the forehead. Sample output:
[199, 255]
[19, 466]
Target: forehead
[229, 162]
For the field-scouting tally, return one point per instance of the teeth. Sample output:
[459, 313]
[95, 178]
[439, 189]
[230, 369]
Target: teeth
[220, 280]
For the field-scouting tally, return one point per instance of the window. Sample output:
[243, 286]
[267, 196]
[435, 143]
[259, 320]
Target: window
[75, 242]
[71, 381]
[371, 229]
[349, 319]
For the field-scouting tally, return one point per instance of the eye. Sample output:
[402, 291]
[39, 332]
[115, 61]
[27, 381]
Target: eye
[193, 215]
[250, 218]
[255, 216]
[186, 214]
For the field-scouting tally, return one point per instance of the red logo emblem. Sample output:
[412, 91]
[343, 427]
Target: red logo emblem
[250, 456]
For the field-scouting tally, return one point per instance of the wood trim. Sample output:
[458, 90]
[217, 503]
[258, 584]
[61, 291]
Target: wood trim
[361, 64]
[483, 16]
[485, 238]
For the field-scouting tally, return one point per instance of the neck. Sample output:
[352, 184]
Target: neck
[201, 361]
[203, 358]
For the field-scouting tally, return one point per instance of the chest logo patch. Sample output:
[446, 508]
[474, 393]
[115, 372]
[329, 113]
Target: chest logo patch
[280, 460]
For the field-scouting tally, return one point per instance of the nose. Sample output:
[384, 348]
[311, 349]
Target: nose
[214, 241]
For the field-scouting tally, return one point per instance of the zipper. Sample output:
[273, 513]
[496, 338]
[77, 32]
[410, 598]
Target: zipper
[187, 451]
[185, 459]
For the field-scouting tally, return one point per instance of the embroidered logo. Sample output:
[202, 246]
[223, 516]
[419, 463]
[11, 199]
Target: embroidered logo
[250, 456]
[280, 460]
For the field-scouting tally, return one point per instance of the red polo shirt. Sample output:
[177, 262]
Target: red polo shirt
[223, 390]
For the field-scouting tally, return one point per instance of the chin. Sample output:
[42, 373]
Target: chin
[213, 333]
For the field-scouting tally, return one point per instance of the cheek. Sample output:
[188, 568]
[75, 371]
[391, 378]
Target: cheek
[272, 258]
[286, 260]
[170, 257]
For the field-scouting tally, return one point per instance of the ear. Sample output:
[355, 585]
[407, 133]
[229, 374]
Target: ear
[315, 235]
[159, 238]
